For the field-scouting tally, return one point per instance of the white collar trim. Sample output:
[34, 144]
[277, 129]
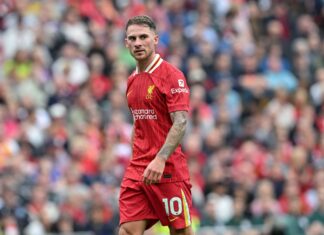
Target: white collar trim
[153, 65]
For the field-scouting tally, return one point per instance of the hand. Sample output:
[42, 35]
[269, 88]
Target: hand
[154, 171]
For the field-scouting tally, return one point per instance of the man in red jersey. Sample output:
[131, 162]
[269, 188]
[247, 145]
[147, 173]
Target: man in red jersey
[156, 184]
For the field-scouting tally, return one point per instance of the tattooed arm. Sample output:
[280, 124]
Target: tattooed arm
[176, 132]
[154, 170]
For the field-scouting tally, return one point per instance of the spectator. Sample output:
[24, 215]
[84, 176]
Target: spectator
[71, 65]
[264, 206]
[316, 90]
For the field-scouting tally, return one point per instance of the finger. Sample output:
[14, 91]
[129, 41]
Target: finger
[145, 173]
[159, 177]
[147, 177]
[156, 177]
[151, 177]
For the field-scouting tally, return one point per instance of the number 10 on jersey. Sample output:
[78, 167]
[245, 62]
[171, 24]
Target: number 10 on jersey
[174, 205]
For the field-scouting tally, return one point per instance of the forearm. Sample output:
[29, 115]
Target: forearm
[175, 134]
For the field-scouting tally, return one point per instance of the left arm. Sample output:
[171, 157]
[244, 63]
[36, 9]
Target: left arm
[175, 135]
[154, 170]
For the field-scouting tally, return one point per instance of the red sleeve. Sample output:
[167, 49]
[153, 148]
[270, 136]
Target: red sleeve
[176, 91]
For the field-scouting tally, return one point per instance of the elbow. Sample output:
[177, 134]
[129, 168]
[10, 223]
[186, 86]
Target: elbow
[183, 125]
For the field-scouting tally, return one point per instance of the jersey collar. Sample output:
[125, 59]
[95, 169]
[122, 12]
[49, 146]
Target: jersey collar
[153, 65]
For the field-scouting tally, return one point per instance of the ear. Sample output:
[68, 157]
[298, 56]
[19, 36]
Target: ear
[127, 43]
[156, 39]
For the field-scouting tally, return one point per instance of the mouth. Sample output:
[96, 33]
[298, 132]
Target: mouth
[139, 51]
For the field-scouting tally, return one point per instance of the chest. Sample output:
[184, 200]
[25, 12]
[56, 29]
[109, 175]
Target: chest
[143, 92]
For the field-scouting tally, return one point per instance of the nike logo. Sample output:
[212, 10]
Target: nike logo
[173, 219]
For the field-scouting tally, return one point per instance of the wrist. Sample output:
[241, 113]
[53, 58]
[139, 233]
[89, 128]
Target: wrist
[162, 157]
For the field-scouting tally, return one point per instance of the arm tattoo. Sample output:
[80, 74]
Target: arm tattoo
[176, 132]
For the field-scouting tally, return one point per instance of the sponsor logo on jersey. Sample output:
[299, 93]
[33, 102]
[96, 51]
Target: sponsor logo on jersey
[181, 83]
[179, 90]
[150, 92]
[144, 114]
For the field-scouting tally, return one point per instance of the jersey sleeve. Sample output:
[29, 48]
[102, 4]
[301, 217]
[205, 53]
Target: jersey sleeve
[176, 91]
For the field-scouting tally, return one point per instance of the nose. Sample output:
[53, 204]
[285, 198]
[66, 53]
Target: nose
[137, 42]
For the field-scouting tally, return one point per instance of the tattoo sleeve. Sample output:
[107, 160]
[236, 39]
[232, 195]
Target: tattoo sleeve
[175, 135]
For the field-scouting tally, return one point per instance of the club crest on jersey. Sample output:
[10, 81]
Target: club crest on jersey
[181, 83]
[150, 92]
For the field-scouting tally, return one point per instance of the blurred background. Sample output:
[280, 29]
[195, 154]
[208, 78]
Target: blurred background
[255, 140]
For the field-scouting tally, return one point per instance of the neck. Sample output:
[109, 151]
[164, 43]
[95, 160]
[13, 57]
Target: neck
[143, 64]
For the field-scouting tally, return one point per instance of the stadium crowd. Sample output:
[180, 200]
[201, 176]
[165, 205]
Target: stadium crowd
[255, 141]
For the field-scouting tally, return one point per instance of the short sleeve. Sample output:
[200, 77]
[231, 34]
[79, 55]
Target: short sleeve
[177, 91]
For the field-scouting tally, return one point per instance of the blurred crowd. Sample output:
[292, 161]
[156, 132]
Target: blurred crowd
[255, 140]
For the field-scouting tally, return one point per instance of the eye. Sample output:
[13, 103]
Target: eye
[144, 36]
[131, 38]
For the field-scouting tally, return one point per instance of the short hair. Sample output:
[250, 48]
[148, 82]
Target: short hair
[142, 20]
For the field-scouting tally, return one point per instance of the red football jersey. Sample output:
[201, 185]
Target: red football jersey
[152, 95]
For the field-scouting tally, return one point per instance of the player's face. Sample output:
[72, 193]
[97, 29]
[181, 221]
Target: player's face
[141, 41]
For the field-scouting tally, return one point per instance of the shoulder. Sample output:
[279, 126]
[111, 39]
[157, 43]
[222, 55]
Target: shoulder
[132, 75]
[170, 68]
[168, 71]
